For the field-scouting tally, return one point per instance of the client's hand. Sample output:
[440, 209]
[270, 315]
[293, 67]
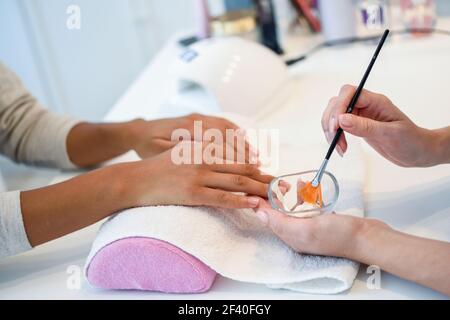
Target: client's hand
[90, 197]
[388, 130]
[154, 137]
[90, 144]
[160, 181]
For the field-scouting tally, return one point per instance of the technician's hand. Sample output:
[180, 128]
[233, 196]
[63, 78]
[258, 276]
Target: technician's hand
[329, 235]
[159, 181]
[154, 137]
[369, 241]
[388, 130]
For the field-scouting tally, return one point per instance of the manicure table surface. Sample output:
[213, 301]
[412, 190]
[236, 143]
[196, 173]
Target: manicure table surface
[413, 72]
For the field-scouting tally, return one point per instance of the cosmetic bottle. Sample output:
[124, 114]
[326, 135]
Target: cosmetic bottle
[267, 25]
[338, 19]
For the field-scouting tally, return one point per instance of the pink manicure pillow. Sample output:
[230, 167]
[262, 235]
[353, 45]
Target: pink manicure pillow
[148, 264]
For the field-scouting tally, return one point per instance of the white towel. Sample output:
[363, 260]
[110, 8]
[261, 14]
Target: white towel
[236, 245]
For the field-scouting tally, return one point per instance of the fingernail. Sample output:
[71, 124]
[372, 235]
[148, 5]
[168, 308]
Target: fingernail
[253, 202]
[263, 217]
[285, 184]
[283, 189]
[328, 137]
[346, 120]
[332, 124]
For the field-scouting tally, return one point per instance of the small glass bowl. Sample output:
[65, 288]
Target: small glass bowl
[284, 194]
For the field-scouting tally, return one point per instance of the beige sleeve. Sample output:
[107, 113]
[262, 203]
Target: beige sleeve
[29, 133]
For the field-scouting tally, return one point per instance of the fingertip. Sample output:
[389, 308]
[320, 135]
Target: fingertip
[325, 125]
[325, 133]
[340, 151]
[347, 90]
[343, 145]
[333, 124]
[253, 202]
[346, 120]
[285, 184]
[329, 137]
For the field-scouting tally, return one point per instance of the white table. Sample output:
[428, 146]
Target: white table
[413, 72]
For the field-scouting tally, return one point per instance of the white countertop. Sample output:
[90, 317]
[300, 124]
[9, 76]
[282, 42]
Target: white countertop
[414, 73]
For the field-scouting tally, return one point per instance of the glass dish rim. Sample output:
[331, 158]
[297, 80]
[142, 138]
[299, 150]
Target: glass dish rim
[324, 209]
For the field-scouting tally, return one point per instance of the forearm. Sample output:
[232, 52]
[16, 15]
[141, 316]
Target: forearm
[51, 212]
[423, 261]
[90, 144]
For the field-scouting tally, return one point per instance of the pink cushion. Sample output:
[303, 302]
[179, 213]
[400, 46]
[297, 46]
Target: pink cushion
[150, 265]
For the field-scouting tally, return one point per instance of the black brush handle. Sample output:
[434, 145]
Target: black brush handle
[358, 92]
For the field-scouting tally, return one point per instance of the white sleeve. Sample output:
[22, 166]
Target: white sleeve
[13, 238]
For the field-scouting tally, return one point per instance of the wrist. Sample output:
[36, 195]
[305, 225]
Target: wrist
[369, 232]
[440, 146]
[119, 186]
[89, 144]
[129, 134]
[130, 186]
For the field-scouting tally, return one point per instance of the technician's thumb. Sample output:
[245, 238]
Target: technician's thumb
[359, 126]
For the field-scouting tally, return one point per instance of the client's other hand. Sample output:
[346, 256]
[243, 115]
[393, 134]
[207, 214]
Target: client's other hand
[154, 137]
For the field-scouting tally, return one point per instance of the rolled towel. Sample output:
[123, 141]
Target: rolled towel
[233, 243]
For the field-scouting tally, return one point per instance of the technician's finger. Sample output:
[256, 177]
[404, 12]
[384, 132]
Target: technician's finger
[369, 104]
[276, 221]
[363, 127]
[288, 229]
[330, 125]
[326, 115]
[342, 145]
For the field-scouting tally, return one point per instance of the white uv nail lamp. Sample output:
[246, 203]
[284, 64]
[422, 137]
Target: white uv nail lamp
[241, 76]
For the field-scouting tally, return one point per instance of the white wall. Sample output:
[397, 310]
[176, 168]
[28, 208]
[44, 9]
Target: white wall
[83, 72]
[16, 50]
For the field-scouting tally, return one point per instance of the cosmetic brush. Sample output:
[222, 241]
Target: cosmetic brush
[315, 183]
